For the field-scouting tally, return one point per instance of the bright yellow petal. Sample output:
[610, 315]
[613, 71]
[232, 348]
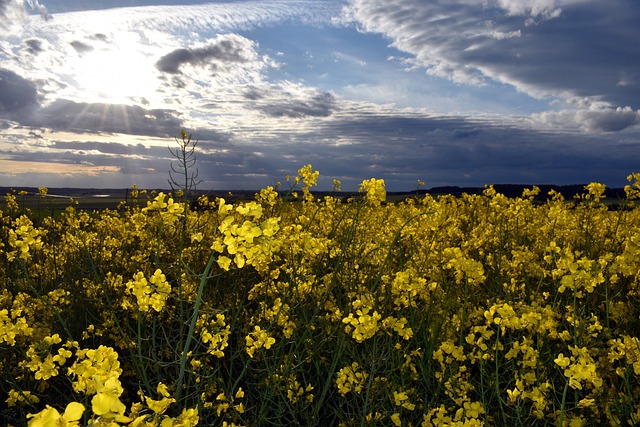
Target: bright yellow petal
[74, 411]
[103, 403]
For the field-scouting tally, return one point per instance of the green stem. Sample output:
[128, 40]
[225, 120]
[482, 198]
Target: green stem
[192, 327]
[564, 399]
[365, 408]
[498, 391]
[141, 369]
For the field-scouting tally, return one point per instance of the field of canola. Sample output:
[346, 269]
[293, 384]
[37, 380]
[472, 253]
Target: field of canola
[479, 310]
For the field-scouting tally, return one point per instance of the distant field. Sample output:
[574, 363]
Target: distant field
[61, 199]
[98, 199]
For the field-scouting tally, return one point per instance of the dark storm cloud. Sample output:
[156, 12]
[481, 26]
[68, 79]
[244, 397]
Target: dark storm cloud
[458, 151]
[18, 96]
[221, 50]
[442, 150]
[552, 48]
[211, 139]
[98, 117]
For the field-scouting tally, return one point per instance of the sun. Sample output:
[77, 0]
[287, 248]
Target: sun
[118, 74]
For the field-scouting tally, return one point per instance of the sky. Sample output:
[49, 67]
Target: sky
[450, 92]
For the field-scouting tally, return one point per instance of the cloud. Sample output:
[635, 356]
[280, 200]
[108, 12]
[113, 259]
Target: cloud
[258, 121]
[42, 9]
[545, 48]
[216, 53]
[34, 45]
[460, 151]
[81, 47]
[13, 13]
[18, 96]
[222, 16]
[548, 9]
[359, 141]
[100, 117]
[317, 105]
[590, 120]
[115, 148]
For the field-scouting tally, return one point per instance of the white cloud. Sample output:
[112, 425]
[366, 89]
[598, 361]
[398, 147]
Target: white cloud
[589, 119]
[193, 18]
[12, 15]
[544, 8]
[587, 53]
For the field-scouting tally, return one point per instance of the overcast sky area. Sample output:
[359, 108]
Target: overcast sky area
[450, 92]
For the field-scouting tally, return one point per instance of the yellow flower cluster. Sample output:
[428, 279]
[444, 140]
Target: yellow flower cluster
[21, 398]
[215, 334]
[46, 368]
[579, 368]
[257, 339]
[24, 238]
[309, 178]
[51, 417]
[362, 326]
[375, 190]
[152, 292]
[169, 208]
[240, 240]
[351, 379]
[437, 310]
[12, 328]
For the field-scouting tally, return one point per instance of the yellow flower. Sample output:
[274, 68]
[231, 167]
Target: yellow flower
[562, 361]
[395, 419]
[350, 378]
[375, 191]
[107, 405]
[224, 262]
[162, 390]
[159, 406]
[24, 397]
[239, 393]
[258, 339]
[51, 417]
[364, 326]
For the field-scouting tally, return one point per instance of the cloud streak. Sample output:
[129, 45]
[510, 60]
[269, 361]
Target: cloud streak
[205, 17]
[566, 49]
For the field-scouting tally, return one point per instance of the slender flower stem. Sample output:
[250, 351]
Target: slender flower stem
[192, 327]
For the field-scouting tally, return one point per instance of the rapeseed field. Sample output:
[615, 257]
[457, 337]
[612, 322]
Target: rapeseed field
[480, 310]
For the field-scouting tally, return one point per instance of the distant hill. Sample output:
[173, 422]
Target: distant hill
[515, 190]
[509, 190]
